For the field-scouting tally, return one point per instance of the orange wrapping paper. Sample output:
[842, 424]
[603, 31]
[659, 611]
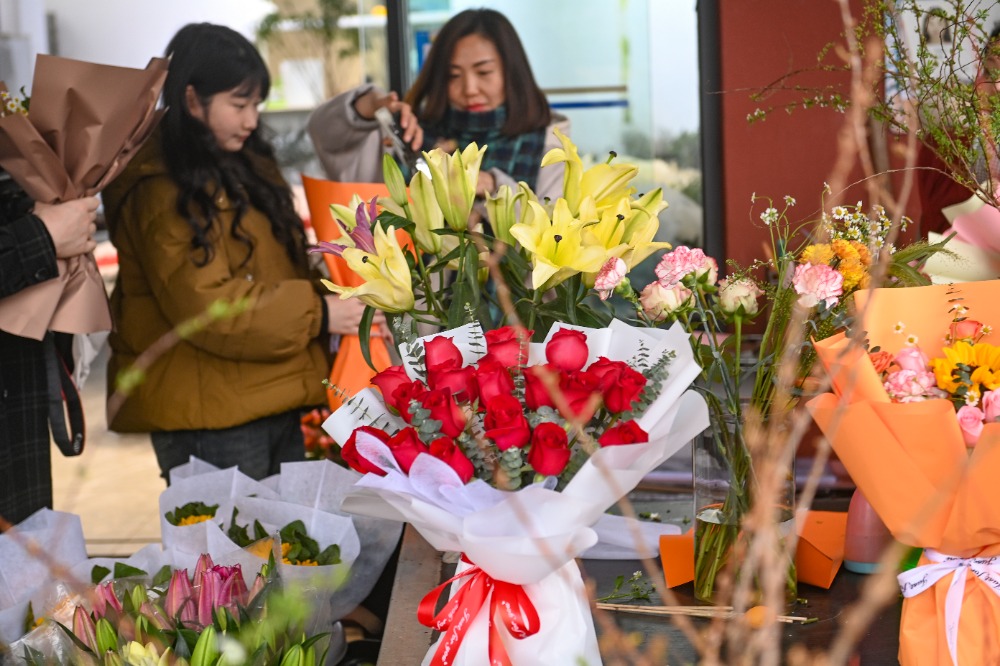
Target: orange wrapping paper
[350, 373]
[85, 123]
[911, 463]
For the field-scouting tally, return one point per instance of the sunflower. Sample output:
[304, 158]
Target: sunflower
[982, 359]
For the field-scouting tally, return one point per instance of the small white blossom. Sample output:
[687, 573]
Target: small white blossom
[971, 399]
[789, 201]
[769, 216]
[912, 340]
[899, 327]
[987, 329]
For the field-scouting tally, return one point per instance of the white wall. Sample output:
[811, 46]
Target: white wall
[130, 32]
[22, 35]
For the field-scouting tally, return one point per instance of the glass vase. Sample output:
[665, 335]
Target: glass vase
[723, 494]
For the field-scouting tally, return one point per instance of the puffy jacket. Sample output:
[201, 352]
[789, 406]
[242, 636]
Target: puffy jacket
[266, 360]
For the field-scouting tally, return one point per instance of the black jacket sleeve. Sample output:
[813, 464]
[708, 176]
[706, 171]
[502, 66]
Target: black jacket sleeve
[27, 255]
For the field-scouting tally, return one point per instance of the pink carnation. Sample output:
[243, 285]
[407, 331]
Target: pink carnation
[683, 261]
[911, 386]
[970, 420]
[817, 283]
[610, 276]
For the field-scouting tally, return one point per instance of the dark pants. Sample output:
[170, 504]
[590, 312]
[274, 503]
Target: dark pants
[258, 448]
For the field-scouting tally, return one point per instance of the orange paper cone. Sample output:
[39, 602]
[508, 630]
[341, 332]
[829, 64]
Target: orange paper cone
[910, 461]
[350, 372]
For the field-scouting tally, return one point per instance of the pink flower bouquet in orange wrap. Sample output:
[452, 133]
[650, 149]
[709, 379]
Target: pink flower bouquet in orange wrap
[911, 462]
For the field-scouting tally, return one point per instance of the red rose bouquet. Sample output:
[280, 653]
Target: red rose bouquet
[509, 452]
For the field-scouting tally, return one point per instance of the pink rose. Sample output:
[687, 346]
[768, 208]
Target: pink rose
[970, 420]
[911, 358]
[684, 261]
[659, 302]
[910, 386]
[816, 284]
[990, 403]
[967, 329]
[567, 350]
[610, 276]
[739, 296]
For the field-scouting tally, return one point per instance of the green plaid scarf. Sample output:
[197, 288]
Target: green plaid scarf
[519, 156]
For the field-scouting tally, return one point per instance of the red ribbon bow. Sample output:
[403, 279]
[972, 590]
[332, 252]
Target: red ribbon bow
[510, 601]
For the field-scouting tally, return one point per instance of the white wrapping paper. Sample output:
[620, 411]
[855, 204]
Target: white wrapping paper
[26, 578]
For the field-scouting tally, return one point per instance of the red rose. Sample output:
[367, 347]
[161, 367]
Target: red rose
[505, 347]
[492, 379]
[441, 351]
[406, 446]
[505, 422]
[388, 381]
[628, 432]
[549, 452]
[354, 460]
[403, 395]
[620, 384]
[443, 408]
[567, 350]
[445, 449]
[457, 381]
[536, 393]
[604, 366]
[578, 388]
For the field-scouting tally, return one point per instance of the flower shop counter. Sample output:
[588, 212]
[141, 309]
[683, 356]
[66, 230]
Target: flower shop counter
[421, 568]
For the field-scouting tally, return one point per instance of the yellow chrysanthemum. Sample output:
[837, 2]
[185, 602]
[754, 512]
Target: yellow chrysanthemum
[853, 273]
[285, 547]
[820, 253]
[192, 520]
[863, 253]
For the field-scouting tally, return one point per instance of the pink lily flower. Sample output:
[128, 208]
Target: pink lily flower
[83, 627]
[204, 564]
[361, 234]
[178, 594]
[104, 596]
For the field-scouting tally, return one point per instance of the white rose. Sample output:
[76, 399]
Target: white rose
[659, 302]
[739, 293]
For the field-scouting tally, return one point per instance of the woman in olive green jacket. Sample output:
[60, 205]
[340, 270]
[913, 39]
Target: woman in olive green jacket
[202, 217]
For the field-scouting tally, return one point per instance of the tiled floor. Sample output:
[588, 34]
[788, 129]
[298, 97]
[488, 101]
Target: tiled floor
[114, 485]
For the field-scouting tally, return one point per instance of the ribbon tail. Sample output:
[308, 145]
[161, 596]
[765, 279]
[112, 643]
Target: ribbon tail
[953, 610]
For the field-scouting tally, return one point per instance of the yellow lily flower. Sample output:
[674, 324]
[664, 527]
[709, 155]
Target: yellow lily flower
[137, 654]
[604, 183]
[556, 245]
[387, 283]
[642, 227]
[574, 169]
[454, 178]
[393, 178]
[501, 211]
